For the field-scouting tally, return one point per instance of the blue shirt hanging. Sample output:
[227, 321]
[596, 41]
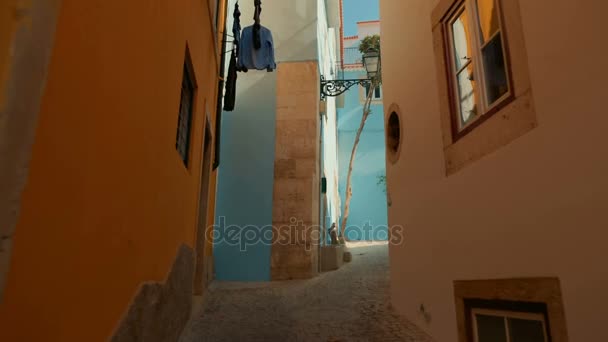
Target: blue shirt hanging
[251, 58]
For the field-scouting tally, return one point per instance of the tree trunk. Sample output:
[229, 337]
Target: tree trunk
[349, 191]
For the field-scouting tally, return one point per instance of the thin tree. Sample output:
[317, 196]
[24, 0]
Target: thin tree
[370, 42]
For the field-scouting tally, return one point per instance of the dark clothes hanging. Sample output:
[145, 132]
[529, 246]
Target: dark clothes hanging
[230, 95]
[236, 27]
[257, 40]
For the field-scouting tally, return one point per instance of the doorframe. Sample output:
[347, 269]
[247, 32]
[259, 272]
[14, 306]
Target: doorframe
[201, 268]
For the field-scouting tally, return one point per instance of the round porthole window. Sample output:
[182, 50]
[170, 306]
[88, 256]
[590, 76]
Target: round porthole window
[393, 134]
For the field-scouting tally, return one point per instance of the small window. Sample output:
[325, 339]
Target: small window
[184, 121]
[393, 134]
[508, 326]
[377, 95]
[478, 64]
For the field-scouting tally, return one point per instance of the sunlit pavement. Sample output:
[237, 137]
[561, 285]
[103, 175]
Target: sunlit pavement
[350, 304]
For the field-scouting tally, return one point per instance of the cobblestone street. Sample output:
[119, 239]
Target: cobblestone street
[350, 304]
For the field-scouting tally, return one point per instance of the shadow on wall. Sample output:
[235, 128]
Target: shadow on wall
[244, 192]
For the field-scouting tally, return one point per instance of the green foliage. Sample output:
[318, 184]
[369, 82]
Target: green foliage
[368, 42]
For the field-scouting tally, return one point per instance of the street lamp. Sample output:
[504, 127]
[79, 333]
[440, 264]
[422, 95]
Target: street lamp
[371, 62]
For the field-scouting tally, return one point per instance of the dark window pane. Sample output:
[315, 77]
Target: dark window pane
[523, 330]
[491, 328]
[184, 120]
[377, 92]
[466, 94]
[461, 41]
[495, 70]
[488, 19]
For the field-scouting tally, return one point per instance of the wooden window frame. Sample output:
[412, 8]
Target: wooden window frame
[486, 109]
[504, 120]
[540, 296]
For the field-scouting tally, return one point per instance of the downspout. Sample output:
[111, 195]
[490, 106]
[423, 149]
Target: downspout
[220, 93]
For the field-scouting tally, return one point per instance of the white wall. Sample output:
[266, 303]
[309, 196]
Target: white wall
[327, 65]
[536, 207]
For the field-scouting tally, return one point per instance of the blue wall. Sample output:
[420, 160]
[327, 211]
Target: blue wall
[245, 182]
[368, 210]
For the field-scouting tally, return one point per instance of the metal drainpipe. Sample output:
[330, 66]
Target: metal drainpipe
[220, 95]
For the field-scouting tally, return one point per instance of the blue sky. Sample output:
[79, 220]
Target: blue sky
[359, 10]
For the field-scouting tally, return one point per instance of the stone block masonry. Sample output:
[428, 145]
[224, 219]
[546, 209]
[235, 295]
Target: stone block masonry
[296, 190]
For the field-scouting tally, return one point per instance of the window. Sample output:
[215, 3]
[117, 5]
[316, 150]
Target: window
[377, 95]
[508, 326]
[485, 94]
[393, 134]
[184, 121]
[510, 310]
[478, 65]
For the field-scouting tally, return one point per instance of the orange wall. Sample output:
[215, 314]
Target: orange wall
[108, 200]
[7, 28]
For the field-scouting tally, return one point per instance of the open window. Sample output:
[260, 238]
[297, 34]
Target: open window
[485, 95]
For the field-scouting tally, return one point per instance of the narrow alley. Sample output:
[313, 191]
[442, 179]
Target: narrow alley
[303, 170]
[350, 304]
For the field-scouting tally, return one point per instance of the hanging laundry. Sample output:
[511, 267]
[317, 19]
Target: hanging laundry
[230, 95]
[257, 40]
[251, 58]
[236, 27]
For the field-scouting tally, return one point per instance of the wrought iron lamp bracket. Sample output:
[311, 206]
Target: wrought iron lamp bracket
[338, 87]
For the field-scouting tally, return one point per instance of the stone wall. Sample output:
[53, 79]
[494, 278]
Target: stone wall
[160, 311]
[296, 177]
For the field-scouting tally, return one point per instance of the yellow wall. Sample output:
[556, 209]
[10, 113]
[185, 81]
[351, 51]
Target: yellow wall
[108, 199]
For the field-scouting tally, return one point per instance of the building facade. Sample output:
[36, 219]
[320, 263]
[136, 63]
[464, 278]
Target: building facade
[495, 126]
[269, 197]
[108, 112]
[368, 211]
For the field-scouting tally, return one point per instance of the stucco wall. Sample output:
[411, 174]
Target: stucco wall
[108, 200]
[368, 215]
[246, 174]
[27, 31]
[535, 207]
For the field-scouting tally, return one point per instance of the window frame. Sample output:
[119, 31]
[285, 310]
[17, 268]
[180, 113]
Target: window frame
[504, 123]
[486, 110]
[188, 76]
[540, 296]
[505, 315]
[364, 91]
[374, 97]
